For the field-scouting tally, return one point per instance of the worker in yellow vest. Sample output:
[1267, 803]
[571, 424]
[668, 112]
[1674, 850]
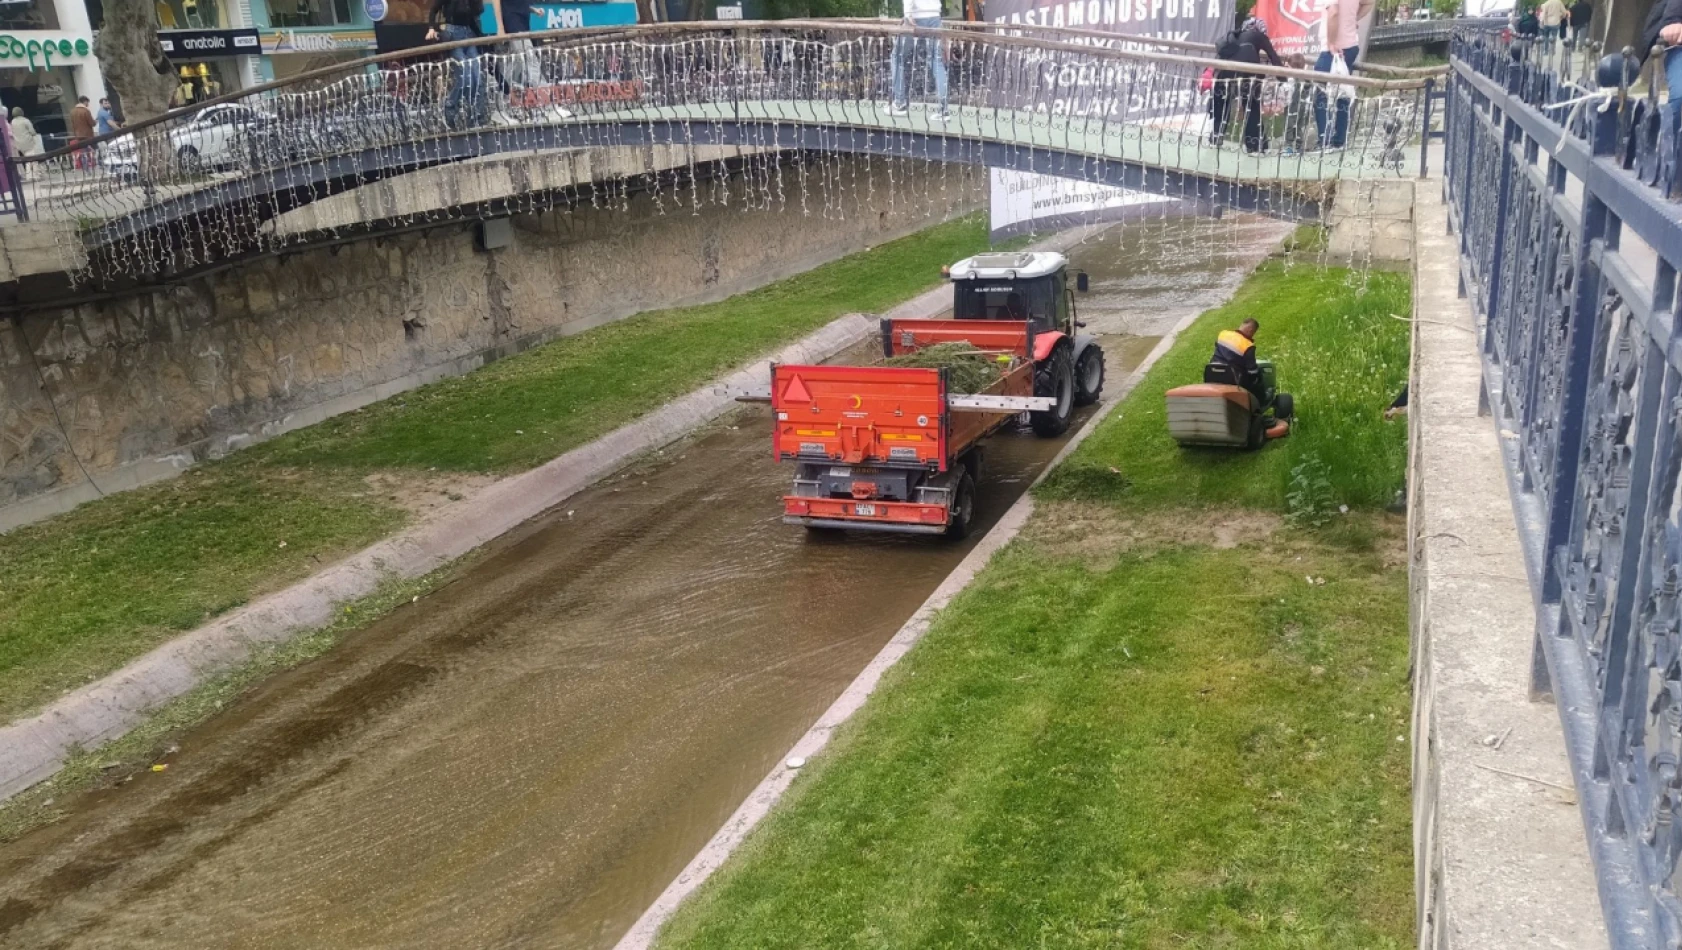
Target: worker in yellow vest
[1237, 348]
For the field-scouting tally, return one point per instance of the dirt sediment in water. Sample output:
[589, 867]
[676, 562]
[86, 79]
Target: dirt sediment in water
[528, 755]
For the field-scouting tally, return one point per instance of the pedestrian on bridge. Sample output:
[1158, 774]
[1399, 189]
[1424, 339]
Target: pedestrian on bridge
[1582, 13]
[1664, 27]
[1298, 107]
[924, 15]
[1553, 16]
[1340, 38]
[1236, 96]
[450, 21]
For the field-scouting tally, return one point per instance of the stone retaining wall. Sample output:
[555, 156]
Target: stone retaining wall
[146, 385]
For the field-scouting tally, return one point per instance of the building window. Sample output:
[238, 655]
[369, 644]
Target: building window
[45, 95]
[28, 15]
[190, 15]
[295, 13]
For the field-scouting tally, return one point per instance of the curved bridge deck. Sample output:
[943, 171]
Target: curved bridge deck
[201, 184]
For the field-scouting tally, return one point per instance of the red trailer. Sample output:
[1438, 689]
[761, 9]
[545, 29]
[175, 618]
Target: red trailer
[889, 448]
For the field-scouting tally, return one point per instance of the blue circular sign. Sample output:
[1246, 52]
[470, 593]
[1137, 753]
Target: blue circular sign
[375, 9]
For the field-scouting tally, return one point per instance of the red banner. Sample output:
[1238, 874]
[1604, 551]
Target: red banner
[1292, 25]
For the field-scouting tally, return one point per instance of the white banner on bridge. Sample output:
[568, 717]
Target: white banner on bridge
[1024, 201]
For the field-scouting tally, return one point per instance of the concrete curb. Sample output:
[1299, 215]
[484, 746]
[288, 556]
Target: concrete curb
[766, 794]
[34, 748]
[1500, 859]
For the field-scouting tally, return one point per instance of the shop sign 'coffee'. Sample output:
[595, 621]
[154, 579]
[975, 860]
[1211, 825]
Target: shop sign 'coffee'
[35, 50]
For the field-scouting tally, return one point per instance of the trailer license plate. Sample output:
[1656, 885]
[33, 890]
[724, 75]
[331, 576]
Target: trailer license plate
[864, 510]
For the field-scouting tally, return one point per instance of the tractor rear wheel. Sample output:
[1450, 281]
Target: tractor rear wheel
[1089, 376]
[1055, 378]
[963, 509]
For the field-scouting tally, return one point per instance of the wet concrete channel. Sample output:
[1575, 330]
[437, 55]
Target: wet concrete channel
[528, 755]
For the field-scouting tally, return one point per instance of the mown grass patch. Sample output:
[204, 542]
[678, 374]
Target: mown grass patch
[1339, 352]
[83, 593]
[1165, 716]
[1191, 747]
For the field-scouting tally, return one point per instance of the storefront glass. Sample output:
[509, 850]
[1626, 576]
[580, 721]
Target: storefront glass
[28, 15]
[45, 95]
[294, 64]
[304, 13]
[197, 82]
[191, 14]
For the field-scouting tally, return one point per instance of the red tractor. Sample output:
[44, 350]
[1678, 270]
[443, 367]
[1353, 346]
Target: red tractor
[890, 448]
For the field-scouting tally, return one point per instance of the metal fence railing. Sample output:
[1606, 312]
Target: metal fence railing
[1569, 253]
[181, 190]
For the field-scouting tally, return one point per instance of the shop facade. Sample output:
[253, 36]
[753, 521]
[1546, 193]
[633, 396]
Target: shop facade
[302, 35]
[46, 62]
[211, 62]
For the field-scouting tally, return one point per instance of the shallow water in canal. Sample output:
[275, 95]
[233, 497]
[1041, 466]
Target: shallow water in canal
[527, 756]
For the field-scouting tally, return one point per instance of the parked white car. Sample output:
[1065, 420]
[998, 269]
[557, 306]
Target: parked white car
[218, 137]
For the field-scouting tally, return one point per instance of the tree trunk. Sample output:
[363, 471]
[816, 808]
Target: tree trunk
[138, 72]
[132, 60]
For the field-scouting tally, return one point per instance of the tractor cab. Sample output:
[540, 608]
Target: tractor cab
[1015, 285]
[1032, 287]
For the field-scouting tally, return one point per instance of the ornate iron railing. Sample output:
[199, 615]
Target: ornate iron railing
[1569, 254]
[182, 190]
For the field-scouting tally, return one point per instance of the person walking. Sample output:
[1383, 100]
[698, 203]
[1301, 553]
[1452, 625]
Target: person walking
[449, 21]
[1582, 13]
[81, 129]
[519, 67]
[924, 15]
[25, 139]
[105, 121]
[1253, 47]
[1664, 27]
[1552, 15]
[1297, 109]
[1340, 39]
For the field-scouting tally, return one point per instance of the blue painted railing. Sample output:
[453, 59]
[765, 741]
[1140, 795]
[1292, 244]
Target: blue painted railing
[1570, 246]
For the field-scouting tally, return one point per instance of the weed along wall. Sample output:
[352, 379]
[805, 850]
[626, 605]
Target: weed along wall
[143, 386]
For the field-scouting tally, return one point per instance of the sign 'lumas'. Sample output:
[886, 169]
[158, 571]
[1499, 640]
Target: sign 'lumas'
[37, 52]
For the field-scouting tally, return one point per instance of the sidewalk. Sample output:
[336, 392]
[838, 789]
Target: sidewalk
[1500, 860]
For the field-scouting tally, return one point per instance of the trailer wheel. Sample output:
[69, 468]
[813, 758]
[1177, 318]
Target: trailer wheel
[1055, 379]
[1089, 376]
[1256, 437]
[963, 509]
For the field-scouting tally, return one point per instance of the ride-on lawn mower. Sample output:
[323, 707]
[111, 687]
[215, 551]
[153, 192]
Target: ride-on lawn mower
[1219, 411]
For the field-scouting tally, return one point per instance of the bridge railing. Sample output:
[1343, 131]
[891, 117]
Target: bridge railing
[180, 190]
[1422, 32]
[1569, 253]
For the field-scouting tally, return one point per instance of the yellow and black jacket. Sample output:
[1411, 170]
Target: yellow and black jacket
[1238, 351]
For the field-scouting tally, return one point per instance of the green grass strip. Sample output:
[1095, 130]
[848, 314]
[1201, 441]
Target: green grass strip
[1340, 354]
[83, 593]
[1129, 732]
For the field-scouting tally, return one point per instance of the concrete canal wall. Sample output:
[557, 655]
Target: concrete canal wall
[137, 388]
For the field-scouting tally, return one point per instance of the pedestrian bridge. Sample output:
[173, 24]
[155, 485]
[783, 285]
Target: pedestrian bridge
[206, 184]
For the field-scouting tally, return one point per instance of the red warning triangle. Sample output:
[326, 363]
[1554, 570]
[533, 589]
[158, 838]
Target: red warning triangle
[795, 391]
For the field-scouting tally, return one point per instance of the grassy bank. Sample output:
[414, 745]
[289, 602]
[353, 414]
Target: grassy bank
[1339, 353]
[85, 592]
[1165, 716]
